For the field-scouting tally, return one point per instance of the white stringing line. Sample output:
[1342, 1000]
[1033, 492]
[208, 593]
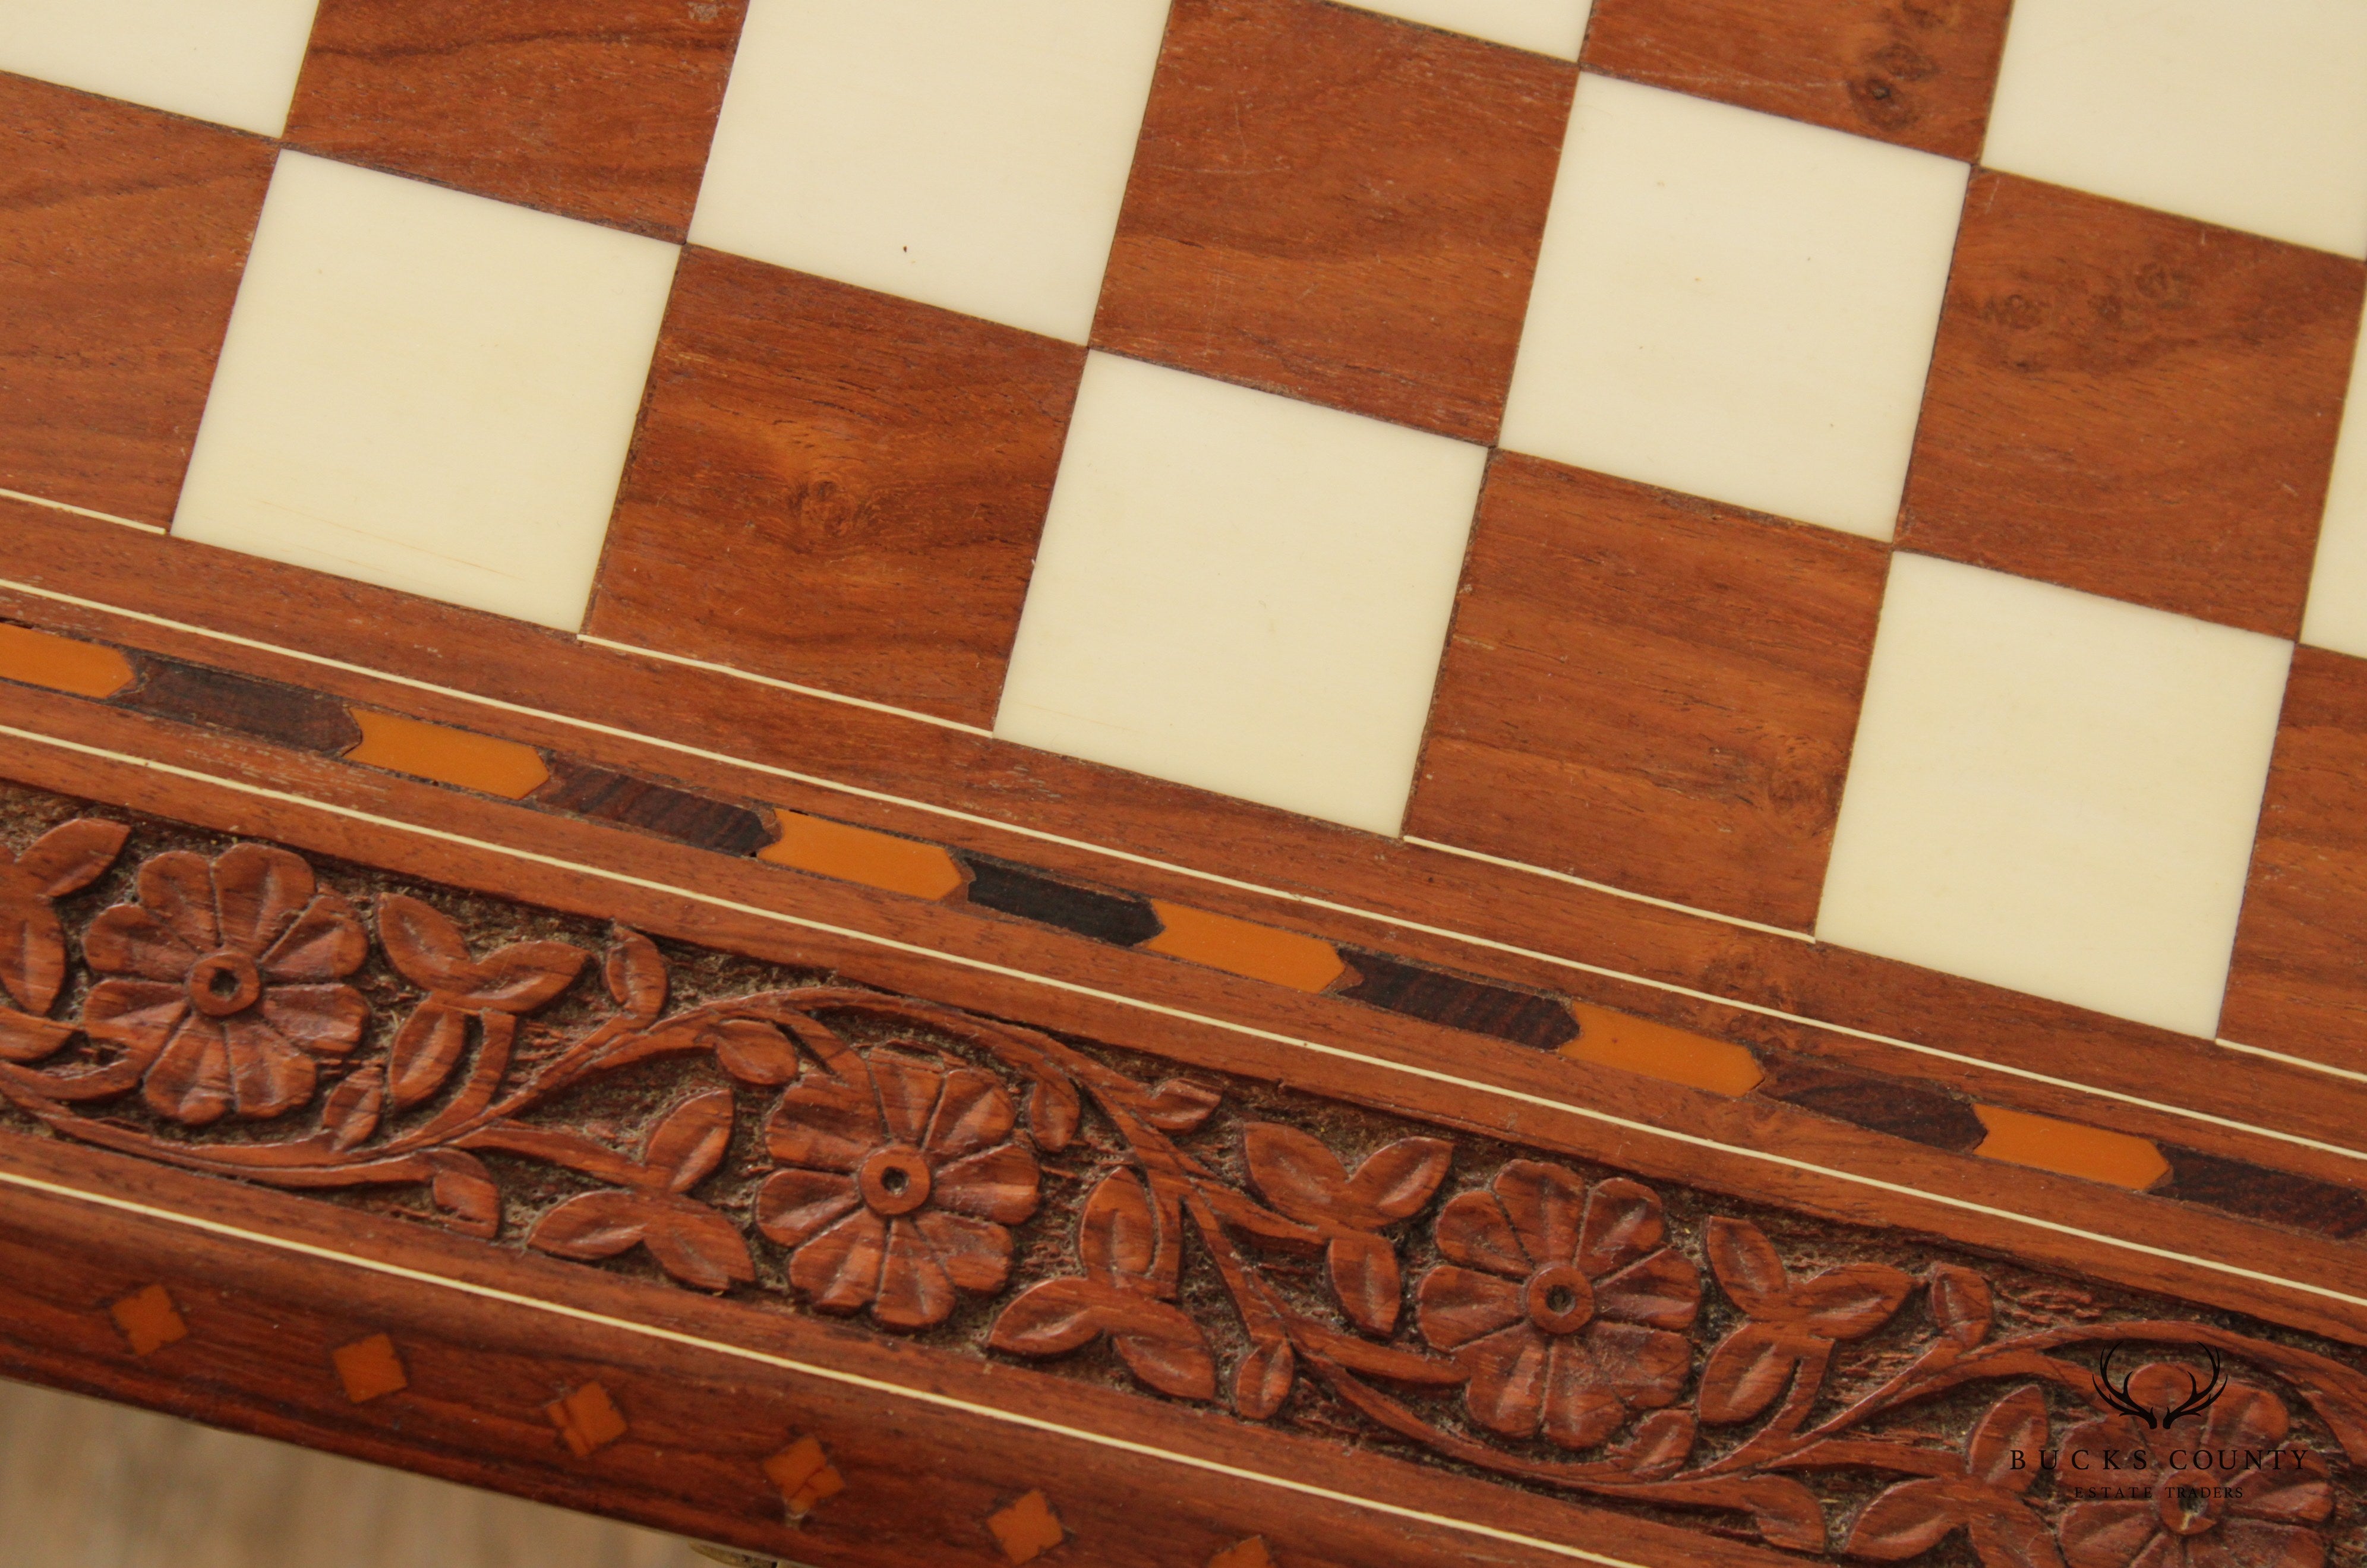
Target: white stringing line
[1577, 965]
[1342, 1052]
[2294, 1061]
[785, 684]
[83, 512]
[1606, 887]
[806, 1369]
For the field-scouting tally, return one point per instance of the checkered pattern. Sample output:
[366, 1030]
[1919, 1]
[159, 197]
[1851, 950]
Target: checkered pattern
[1860, 466]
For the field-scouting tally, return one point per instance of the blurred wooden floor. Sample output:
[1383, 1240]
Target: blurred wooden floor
[85, 1484]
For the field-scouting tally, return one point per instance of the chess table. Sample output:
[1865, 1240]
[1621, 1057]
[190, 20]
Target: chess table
[1203, 783]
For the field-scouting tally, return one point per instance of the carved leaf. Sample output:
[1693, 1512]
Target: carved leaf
[1164, 1347]
[754, 1051]
[24, 1038]
[1365, 1274]
[32, 944]
[351, 1112]
[1179, 1105]
[636, 973]
[2013, 1538]
[72, 855]
[1398, 1178]
[1907, 1519]
[470, 1203]
[696, 1245]
[425, 1049]
[691, 1141]
[1850, 1301]
[1053, 1113]
[592, 1225]
[1661, 1443]
[1746, 1373]
[1263, 1379]
[2016, 1422]
[430, 952]
[1054, 1318]
[1786, 1512]
[1746, 1264]
[1962, 1304]
[1117, 1236]
[1296, 1172]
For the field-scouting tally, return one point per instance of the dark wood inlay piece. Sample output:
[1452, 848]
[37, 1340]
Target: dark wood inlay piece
[268, 709]
[598, 109]
[1927, 1116]
[1019, 889]
[609, 795]
[1458, 1001]
[123, 232]
[2255, 1192]
[1649, 690]
[848, 487]
[1339, 206]
[1919, 72]
[2133, 405]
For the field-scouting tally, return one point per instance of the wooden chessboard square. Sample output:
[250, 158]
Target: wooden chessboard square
[1335, 205]
[122, 235]
[1919, 73]
[836, 488]
[1649, 691]
[2299, 981]
[598, 109]
[2134, 404]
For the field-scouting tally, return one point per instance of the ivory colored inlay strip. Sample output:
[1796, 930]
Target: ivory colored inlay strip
[448, 755]
[2068, 1148]
[62, 664]
[882, 860]
[1244, 946]
[1639, 1045]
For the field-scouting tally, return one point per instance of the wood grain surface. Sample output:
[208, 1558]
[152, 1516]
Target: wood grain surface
[598, 109]
[737, 739]
[2133, 405]
[836, 488]
[1919, 72]
[122, 235]
[1649, 690]
[2298, 982]
[1338, 206]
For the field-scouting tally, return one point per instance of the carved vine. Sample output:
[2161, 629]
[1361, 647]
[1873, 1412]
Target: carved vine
[1559, 1339]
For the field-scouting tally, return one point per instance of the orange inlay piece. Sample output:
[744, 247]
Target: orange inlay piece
[1243, 946]
[859, 854]
[2067, 1148]
[62, 664]
[149, 1320]
[804, 1475]
[588, 1419]
[1028, 1528]
[1250, 1554]
[1639, 1045]
[370, 1369]
[448, 755]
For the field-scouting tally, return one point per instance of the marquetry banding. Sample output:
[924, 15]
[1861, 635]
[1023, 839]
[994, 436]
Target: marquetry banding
[62, 664]
[1250, 1554]
[370, 1369]
[1027, 1528]
[1245, 948]
[149, 1320]
[2069, 1149]
[1606, 1038]
[587, 1419]
[445, 756]
[804, 1475]
[851, 854]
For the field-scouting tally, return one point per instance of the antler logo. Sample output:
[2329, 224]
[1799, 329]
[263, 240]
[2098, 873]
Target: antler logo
[2198, 1398]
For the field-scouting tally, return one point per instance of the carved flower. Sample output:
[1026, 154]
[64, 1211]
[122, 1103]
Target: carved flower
[2184, 1520]
[1563, 1308]
[902, 1180]
[231, 994]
